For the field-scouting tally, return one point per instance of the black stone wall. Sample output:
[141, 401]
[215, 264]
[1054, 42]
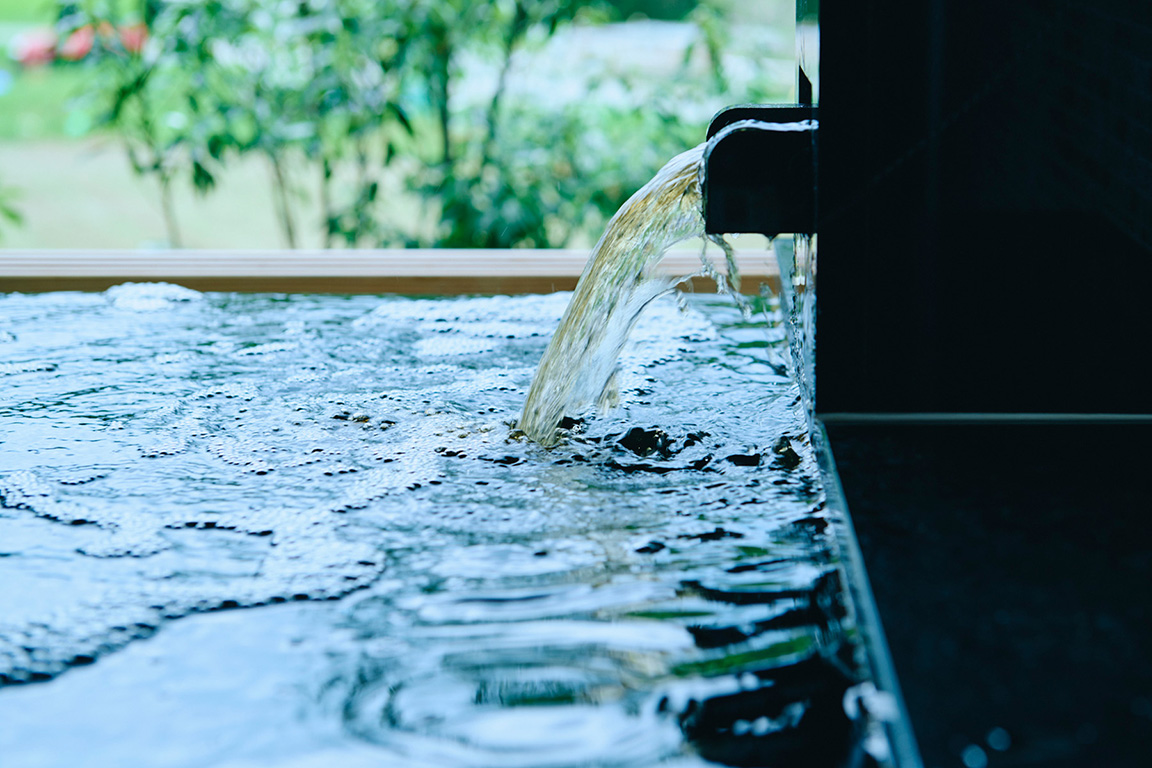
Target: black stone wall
[985, 206]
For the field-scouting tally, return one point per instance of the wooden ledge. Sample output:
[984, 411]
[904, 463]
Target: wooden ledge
[412, 271]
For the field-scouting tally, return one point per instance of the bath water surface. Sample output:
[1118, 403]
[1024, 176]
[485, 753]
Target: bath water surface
[268, 530]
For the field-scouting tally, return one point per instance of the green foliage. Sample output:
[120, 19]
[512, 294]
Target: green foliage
[671, 10]
[551, 176]
[709, 18]
[357, 98]
[222, 78]
[494, 184]
[128, 92]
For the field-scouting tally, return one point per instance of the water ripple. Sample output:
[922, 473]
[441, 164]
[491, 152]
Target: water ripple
[661, 588]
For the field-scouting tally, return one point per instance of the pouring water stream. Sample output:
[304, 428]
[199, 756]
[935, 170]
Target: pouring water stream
[578, 367]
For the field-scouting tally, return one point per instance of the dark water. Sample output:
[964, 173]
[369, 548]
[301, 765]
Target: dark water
[417, 588]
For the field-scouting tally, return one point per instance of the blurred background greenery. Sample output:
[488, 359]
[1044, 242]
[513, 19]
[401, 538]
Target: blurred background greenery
[359, 123]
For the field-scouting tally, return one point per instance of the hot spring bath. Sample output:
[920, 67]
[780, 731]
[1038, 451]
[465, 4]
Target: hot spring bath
[418, 587]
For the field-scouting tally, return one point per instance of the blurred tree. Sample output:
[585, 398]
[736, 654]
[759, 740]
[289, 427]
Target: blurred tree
[127, 86]
[220, 78]
[356, 93]
[710, 18]
[672, 10]
[487, 195]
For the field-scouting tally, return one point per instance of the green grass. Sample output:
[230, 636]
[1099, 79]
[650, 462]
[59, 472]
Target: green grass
[37, 104]
[44, 11]
[30, 11]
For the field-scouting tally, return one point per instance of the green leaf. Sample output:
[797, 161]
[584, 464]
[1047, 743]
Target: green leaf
[216, 145]
[202, 178]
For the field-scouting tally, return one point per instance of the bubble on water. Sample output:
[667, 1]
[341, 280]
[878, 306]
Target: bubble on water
[535, 311]
[149, 297]
[32, 366]
[442, 346]
[268, 349]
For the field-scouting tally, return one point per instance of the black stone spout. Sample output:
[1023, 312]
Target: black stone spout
[760, 170]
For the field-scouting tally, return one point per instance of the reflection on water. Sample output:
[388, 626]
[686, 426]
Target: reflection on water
[660, 589]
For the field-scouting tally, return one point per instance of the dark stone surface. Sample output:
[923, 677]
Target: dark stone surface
[985, 206]
[1012, 568]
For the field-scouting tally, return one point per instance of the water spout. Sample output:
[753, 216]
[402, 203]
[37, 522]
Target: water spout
[579, 365]
[756, 173]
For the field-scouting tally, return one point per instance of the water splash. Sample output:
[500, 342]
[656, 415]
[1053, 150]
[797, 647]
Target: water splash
[579, 366]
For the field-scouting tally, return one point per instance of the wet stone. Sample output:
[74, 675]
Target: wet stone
[786, 456]
[645, 442]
